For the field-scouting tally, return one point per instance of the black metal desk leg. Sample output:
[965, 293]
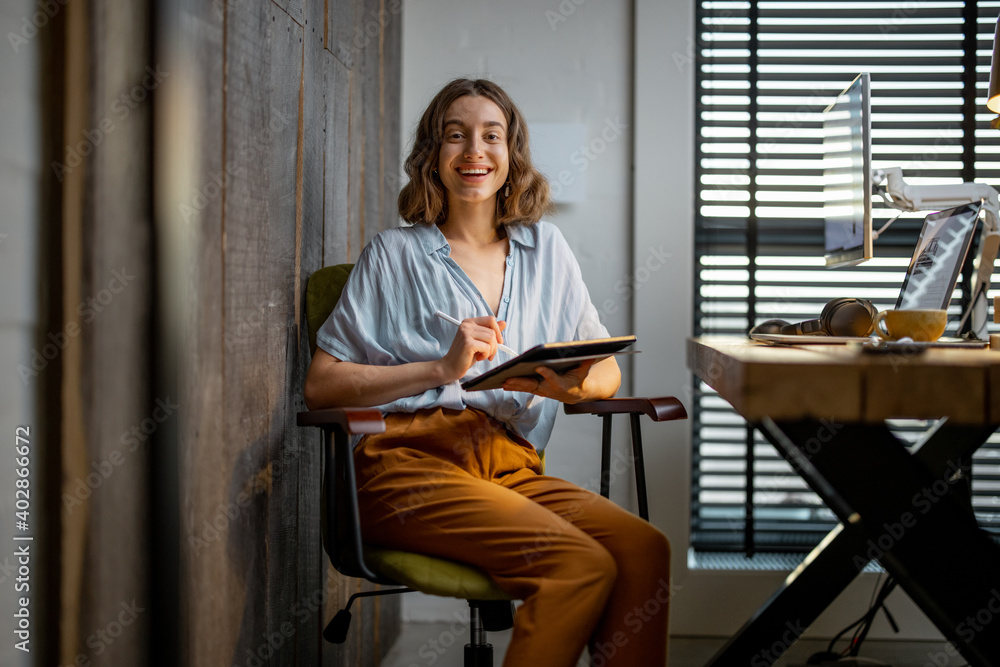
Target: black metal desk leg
[805, 594]
[923, 534]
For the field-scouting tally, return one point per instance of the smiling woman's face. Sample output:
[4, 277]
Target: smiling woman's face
[473, 162]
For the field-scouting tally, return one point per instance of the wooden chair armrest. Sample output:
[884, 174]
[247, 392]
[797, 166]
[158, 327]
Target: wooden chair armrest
[352, 420]
[658, 409]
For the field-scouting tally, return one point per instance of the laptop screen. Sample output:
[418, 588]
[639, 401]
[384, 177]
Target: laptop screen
[937, 259]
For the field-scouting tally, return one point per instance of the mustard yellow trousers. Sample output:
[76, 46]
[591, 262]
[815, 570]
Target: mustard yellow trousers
[457, 484]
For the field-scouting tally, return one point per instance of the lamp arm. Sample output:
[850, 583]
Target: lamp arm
[905, 197]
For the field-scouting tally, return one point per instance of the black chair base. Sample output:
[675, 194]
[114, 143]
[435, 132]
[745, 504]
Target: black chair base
[336, 630]
[484, 616]
[496, 615]
[478, 655]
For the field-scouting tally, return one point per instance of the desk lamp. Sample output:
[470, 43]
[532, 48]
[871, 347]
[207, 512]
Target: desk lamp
[993, 97]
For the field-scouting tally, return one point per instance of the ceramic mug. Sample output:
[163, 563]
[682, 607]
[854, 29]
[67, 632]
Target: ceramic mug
[917, 324]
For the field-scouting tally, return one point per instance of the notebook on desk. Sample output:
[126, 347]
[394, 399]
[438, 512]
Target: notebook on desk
[792, 339]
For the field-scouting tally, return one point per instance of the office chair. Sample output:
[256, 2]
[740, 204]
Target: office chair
[490, 609]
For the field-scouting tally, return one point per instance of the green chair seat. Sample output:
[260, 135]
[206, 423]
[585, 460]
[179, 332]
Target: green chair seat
[434, 576]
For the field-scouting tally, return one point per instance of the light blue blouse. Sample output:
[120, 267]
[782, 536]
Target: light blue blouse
[386, 315]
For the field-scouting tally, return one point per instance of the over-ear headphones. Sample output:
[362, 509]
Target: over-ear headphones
[840, 317]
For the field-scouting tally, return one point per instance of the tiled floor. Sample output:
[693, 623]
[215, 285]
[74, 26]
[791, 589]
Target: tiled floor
[441, 645]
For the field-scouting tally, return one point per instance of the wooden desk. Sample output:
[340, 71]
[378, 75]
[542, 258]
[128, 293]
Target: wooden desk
[837, 382]
[824, 409]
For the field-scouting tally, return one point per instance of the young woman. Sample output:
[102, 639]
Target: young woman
[457, 474]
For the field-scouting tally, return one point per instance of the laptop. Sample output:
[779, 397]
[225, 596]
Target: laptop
[938, 257]
[944, 242]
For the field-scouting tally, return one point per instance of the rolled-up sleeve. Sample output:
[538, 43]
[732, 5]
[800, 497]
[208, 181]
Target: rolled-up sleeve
[353, 330]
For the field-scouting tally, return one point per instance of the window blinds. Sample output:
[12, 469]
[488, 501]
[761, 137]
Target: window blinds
[765, 72]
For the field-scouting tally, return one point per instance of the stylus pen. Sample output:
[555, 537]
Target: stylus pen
[449, 318]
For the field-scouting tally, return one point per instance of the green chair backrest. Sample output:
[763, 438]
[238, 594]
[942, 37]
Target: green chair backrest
[322, 293]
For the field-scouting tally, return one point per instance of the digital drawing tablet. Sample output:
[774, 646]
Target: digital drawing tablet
[560, 357]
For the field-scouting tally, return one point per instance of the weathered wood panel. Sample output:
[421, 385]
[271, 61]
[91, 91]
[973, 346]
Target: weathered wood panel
[108, 281]
[254, 120]
[391, 104]
[372, 174]
[350, 25]
[294, 9]
[341, 20]
[275, 126]
[284, 40]
[277, 222]
[386, 612]
[195, 104]
[337, 162]
[308, 611]
[52, 107]
[356, 204]
[73, 454]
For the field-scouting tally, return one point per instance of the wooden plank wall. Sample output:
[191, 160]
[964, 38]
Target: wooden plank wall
[210, 178]
[272, 142]
[101, 592]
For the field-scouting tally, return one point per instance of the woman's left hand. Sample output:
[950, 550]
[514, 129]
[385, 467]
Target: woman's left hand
[566, 387]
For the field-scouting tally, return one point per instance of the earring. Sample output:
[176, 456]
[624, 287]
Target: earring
[506, 191]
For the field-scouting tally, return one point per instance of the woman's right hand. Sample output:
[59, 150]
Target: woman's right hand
[333, 383]
[476, 339]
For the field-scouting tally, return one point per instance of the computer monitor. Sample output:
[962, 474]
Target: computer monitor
[847, 176]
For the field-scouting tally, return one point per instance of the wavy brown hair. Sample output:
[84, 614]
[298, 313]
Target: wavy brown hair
[423, 199]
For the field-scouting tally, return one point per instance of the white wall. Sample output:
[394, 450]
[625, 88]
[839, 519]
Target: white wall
[574, 61]
[574, 71]
[20, 172]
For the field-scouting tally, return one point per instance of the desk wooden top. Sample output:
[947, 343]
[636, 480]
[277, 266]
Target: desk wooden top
[845, 384]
